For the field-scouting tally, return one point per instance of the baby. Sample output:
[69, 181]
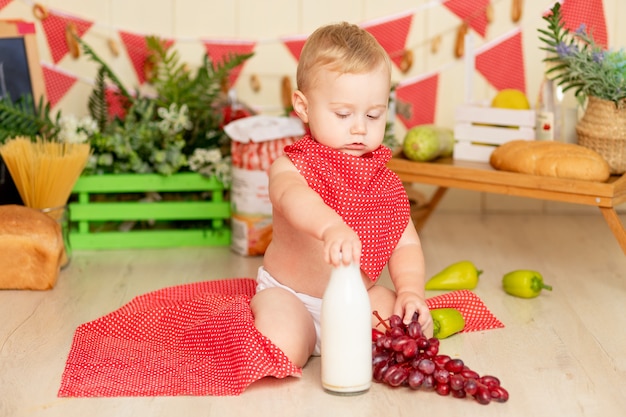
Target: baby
[334, 201]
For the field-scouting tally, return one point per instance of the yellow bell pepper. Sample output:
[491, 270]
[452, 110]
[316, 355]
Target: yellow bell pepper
[446, 322]
[524, 283]
[461, 275]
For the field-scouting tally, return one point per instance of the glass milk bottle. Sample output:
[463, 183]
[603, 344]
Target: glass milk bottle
[346, 332]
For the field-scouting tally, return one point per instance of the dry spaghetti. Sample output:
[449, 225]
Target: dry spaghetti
[44, 171]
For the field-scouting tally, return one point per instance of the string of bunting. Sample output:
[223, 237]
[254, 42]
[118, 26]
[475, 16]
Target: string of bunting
[500, 61]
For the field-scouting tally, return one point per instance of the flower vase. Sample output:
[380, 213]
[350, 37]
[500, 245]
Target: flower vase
[603, 129]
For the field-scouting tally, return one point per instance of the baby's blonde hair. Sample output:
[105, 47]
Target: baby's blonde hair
[341, 47]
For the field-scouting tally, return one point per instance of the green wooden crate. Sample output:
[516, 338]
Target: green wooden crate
[95, 223]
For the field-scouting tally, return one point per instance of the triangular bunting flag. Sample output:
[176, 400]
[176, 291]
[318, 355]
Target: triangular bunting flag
[391, 34]
[587, 12]
[137, 49]
[220, 50]
[57, 84]
[55, 26]
[295, 45]
[4, 3]
[501, 62]
[474, 12]
[115, 103]
[416, 100]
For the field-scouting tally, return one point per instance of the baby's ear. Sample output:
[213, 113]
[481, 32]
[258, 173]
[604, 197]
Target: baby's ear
[300, 105]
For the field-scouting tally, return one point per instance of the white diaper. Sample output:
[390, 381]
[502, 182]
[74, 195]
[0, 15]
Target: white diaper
[313, 304]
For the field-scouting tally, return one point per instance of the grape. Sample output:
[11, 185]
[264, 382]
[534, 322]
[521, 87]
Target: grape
[454, 365]
[396, 375]
[429, 382]
[416, 378]
[482, 396]
[396, 332]
[377, 334]
[426, 366]
[422, 343]
[458, 393]
[414, 330]
[410, 349]
[403, 356]
[381, 357]
[441, 360]
[490, 381]
[379, 371]
[398, 343]
[469, 374]
[499, 394]
[443, 389]
[471, 386]
[396, 321]
[441, 376]
[457, 382]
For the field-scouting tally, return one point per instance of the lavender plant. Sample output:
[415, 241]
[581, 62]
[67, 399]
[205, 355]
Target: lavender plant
[578, 63]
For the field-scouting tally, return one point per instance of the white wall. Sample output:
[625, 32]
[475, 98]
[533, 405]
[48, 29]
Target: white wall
[267, 21]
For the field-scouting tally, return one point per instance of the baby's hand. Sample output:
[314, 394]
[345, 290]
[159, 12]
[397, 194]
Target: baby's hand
[341, 245]
[407, 303]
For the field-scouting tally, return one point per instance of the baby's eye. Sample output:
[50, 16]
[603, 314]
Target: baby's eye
[373, 116]
[342, 115]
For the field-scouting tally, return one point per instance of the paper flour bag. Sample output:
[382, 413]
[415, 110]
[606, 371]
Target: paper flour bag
[256, 142]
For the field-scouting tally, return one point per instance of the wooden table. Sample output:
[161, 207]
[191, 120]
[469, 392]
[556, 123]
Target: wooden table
[479, 176]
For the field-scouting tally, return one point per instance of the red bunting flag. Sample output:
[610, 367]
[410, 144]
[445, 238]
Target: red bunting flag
[416, 100]
[57, 83]
[55, 27]
[137, 49]
[115, 103]
[391, 33]
[589, 13]
[474, 12]
[295, 45]
[219, 50]
[4, 3]
[501, 61]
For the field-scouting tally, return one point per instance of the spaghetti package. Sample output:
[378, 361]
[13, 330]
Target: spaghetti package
[256, 142]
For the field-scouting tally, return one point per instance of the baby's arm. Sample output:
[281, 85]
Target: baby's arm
[406, 268]
[305, 210]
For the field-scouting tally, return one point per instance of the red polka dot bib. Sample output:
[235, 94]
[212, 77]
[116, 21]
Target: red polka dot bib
[362, 190]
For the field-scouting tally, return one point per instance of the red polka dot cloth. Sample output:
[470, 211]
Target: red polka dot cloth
[477, 316]
[362, 190]
[195, 339]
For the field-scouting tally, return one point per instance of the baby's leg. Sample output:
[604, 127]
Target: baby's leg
[382, 300]
[282, 317]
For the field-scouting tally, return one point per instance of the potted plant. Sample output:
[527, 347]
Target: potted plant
[165, 147]
[598, 78]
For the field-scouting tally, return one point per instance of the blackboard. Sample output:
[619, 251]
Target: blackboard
[15, 79]
[15, 83]
[20, 74]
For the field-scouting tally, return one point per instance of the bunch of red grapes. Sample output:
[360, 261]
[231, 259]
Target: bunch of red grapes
[403, 356]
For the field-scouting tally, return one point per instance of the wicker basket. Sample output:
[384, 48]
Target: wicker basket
[603, 129]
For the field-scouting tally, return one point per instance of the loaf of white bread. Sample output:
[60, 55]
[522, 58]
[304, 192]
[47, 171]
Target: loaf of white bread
[551, 159]
[31, 249]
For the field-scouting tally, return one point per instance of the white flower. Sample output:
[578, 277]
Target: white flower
[174, 120]
[209, 162]
[73, 130]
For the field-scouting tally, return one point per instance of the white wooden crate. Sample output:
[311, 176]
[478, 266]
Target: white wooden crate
[479, 130]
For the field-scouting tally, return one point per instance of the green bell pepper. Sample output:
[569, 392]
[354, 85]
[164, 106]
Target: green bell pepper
[461, 275]
[446, 322]
[524, 283]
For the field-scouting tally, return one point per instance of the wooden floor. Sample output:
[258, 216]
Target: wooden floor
[562, 354]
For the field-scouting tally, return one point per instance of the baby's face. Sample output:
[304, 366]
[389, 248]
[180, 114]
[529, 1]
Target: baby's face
[348, 112]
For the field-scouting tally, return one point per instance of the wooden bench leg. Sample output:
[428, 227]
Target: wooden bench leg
[615, 223]
[420, 220]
